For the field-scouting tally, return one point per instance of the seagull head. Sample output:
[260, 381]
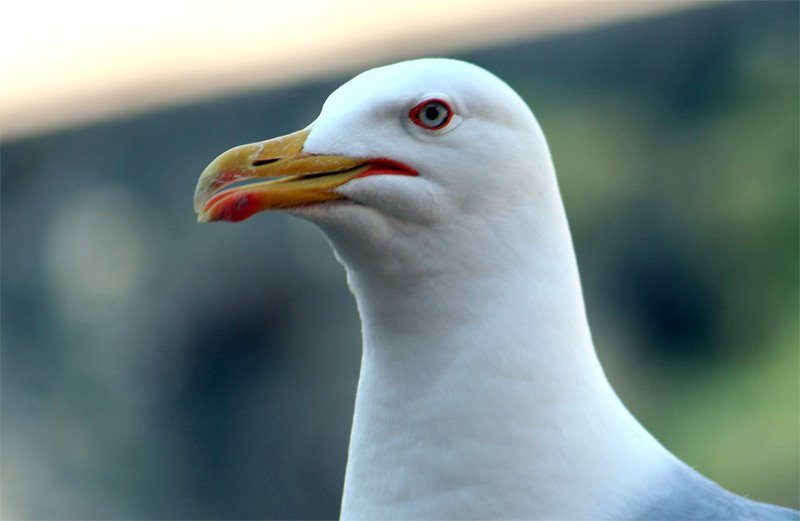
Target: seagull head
[420, 143]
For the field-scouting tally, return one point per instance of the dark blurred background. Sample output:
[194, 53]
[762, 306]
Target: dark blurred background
[157, 369]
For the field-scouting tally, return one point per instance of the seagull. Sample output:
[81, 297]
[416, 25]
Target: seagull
[480, 394]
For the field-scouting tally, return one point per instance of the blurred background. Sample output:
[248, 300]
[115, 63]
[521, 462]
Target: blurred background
[157, 369]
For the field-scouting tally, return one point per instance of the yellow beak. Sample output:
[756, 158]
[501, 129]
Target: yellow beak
[297, 178]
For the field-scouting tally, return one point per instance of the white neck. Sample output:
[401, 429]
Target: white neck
[480, 393]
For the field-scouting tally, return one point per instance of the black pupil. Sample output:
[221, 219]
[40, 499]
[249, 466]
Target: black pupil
[432, 113]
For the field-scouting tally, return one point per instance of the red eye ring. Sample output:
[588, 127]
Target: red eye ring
[432, 114]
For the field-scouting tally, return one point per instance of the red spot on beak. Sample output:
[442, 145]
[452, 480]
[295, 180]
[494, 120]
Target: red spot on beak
[237, 207]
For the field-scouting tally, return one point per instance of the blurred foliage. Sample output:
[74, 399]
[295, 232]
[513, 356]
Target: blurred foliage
[153, 368]
[684, 206]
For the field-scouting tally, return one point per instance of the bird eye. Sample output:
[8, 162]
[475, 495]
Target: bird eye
[432, 114]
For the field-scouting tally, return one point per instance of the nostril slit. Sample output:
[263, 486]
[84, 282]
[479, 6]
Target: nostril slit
[262, 162]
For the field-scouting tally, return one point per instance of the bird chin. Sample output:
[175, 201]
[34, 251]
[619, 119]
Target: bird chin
[346, 223]
[333, 213]
[322, 208]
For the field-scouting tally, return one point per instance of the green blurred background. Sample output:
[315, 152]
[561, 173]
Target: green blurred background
[153, 368]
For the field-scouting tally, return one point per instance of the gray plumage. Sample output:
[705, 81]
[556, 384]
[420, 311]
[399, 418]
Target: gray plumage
[686, 495]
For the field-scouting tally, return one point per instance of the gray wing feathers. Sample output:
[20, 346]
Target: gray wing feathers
[686, 495]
